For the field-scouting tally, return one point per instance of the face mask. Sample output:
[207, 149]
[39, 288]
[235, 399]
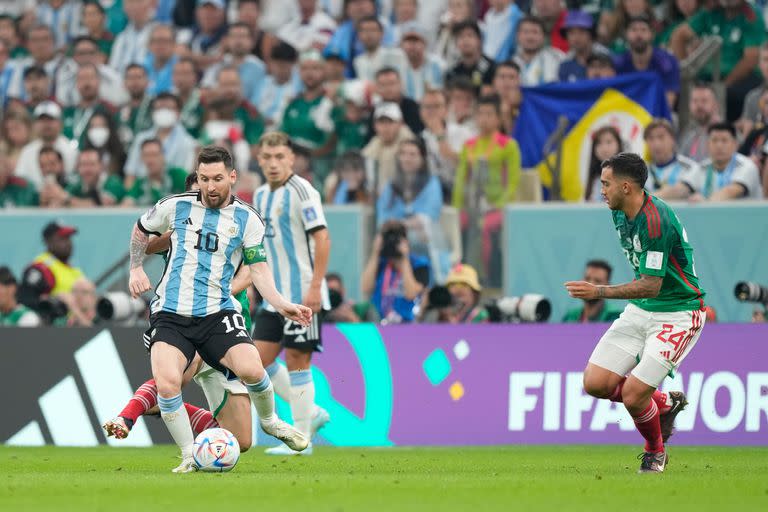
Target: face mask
[164, 117]
[98, 135]
[217, 130]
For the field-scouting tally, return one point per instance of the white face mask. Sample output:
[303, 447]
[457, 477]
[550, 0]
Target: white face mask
[98, 135]
[217, 130]
[164, 118]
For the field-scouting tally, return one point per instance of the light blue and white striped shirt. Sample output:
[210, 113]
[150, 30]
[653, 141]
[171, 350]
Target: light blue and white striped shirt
[64, 22]
[429, 76]
[207, 248]
[272, 98]
[130, 47]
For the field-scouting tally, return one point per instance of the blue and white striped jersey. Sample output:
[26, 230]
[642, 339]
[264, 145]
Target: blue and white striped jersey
[291, 214]
[207, 247]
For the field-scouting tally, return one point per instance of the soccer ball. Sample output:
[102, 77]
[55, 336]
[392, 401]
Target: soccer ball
[216, 450]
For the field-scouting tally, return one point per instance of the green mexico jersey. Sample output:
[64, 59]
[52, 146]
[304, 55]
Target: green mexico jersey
[242, 298]
[606, 314]
[656, 244]
[20, 316]
[146, 193]
[298, 120]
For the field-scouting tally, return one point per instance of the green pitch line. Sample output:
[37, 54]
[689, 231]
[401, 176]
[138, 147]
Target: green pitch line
[561, 478]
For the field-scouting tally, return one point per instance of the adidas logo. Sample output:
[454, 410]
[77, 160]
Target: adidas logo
[64, 409]
[188, 221]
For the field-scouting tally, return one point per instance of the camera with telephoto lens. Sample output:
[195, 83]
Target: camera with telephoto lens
[391, 236]
[51, 309]
[751, 292]
[524, 309]
[120, 306]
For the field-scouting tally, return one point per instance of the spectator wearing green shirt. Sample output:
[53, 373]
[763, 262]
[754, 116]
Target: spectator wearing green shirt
[134, 116]
[75, 119]
[9, 32]
[93, 186]
[37, 87]
[159, 181]
[465, 289]
[228, 107]
[598, 272]
[94, 18]
[185, 84]
[14, 191]
[13, 314]
[743, 31]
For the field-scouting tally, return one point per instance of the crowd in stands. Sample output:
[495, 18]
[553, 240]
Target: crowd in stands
[408, 106]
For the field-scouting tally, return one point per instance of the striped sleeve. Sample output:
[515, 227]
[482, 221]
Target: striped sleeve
[655, 233]
[312, 215]
[157, 220]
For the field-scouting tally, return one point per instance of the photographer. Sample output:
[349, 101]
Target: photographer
[13, 314]
[343, 310]
[393, 278]
[458, 302]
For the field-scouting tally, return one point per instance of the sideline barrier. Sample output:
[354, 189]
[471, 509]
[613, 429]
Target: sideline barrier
[403, 385]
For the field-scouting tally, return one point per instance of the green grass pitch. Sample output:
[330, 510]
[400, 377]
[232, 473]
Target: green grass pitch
[560, 478]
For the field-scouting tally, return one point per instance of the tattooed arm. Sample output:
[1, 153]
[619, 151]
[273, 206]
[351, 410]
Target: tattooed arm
[138, 282]
[646, 287]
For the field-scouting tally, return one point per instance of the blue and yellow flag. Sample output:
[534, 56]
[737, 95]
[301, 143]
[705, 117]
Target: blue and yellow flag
[627, 102]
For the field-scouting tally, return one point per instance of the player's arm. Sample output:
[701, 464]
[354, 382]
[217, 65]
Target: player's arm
[242, 280]
[322, 253]
[646, 287]
[159, 244]
[261, 277]
[153, 222]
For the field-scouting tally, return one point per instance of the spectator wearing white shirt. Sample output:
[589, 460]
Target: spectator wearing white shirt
[666, 167]
[179, 147]
[205, 39]
[63, 16]
[131, 45]
[312, 28]
[251, 69]
[403, 12]
[424, 70]
[48, 128]
[160, 59]
[500, 22]
[281, 85]
[726, 175]
[42, 52]
[7, 72]
[376, 57]
[85, 51]
[539, 63]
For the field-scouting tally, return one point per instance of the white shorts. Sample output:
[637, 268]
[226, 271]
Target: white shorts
[217, 387]
[651, 344]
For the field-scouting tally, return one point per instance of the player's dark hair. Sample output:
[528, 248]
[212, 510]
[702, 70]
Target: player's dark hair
[190, 180]
[491, 100]
[628, 165]
[602, 264]
[215, 154]
[722, 127]
[6, 276]
[167, 96]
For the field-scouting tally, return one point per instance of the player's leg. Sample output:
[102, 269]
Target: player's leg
[229, 401]
[235, 416]
[267, 336]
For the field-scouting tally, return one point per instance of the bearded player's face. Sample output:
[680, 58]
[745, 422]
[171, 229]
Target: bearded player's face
[215, 184]
[611, 189]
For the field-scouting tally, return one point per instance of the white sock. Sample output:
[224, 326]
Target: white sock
[262, 395]
[175, 416]
[302, 400]
[278, 374]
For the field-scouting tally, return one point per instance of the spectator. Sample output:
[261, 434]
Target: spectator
[63, 16]
[413, 191]
[94, 18]
[643, 56]
[37, 87]
[160, 59]
[389, 89]
[9, 33]
[81, 302]
[349, 184]
[754, 145]
[42, 53]
[443, 139]
[579, 30]
[312, 29]
[302, 167]
[242, 120]
[349, 119]
[465, 289]
[612, 24]
[600, 66]
[606, 142]
[666, 165]
[132, 43]
[500, 23]
[704, 112]
[752, 113]
[404, 12]
[160, 181]
[179, 147]
[458, 11]
[86, 53]
[552, 14]
[7, 71]
[52, 193]
[345, 41]
[135, 115]
[598, 273]
[539, 64]
[101, 134]
[471, 63]
[50, 274]
[48, 130]
[375, 57]
[249, 12]
[343, 310]
[423, 70]
[75, 118]
[393, 278]
[14, 191]
[743, 32]
[13, 314]
[251, 69]
[307, 117]
[461, 102]
[280, 86]
[15, 133]
[382, 150]
[506, 84]
[185, 85]
[677, 13]
[486, 180]
[93, 186]
[724, 176]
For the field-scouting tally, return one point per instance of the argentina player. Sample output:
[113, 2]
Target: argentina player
[213, 233]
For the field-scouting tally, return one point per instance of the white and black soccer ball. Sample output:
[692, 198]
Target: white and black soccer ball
[216, 450]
